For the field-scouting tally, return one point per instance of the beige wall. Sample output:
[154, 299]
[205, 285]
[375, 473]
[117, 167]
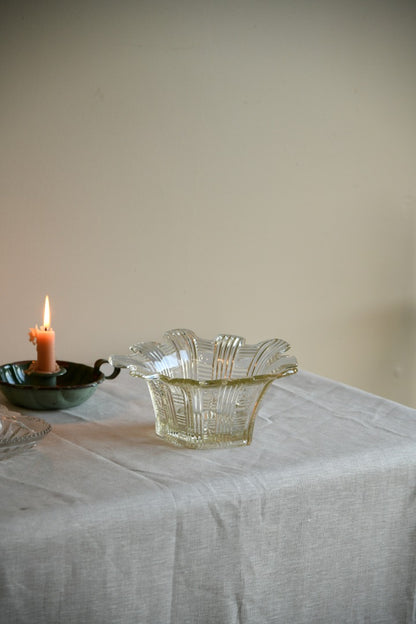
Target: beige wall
[236, 166]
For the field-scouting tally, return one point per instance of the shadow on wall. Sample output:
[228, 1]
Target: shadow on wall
[411, 320]
[390, 369]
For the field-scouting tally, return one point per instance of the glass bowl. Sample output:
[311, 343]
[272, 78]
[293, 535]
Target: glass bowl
[19, 432]
[206, 393]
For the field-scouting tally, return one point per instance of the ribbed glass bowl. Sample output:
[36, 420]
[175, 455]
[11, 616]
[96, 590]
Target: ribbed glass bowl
[206, 393]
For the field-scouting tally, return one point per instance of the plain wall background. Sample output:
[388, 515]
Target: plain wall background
[223, 165]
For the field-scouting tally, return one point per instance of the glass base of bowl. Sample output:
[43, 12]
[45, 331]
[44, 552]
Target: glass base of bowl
[200, 441]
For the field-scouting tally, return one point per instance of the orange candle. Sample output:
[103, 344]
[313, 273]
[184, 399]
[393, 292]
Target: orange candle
[44, 338]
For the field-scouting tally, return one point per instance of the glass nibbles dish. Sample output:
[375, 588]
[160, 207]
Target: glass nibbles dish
[19, 432]
[206, 393]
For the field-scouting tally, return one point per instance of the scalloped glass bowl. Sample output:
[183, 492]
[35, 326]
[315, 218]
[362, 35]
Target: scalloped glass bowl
[19, 432]
[206, 393]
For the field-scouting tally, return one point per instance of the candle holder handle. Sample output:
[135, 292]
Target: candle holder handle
[98, 365]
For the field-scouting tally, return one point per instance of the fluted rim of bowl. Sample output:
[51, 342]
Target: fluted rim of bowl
[186, 359]
[216, 382]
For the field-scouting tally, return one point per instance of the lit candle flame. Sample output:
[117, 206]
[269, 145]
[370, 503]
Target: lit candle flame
[46, 314]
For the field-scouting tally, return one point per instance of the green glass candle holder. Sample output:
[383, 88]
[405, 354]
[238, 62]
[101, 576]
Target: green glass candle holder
[71, 385]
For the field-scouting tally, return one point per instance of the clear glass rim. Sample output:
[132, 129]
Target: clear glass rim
[214, 383]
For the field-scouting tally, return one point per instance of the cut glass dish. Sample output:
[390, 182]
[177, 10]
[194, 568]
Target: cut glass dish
[19, 432]
[206, 393]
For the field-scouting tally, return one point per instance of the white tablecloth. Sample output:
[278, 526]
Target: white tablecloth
[315, 522]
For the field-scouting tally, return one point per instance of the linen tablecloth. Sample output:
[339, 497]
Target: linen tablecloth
[315, 522]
